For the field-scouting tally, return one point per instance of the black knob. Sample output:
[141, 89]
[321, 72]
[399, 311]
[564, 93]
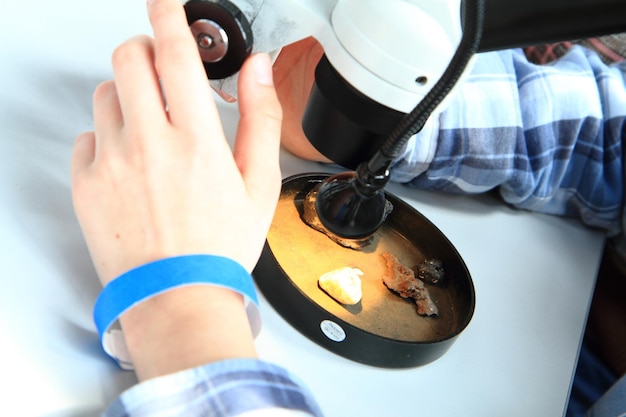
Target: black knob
[223, 34]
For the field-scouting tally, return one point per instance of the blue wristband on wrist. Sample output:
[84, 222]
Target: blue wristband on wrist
[149, 280]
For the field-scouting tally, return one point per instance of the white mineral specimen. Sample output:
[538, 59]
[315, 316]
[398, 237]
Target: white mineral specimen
[343, 284]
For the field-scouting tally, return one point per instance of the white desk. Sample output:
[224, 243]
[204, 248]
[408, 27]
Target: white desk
[533, 274]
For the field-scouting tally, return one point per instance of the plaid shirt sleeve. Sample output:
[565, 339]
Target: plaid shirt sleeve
[548, 138]
[220, 389]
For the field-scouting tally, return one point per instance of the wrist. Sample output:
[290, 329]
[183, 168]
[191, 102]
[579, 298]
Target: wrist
[187, 327]
[178, 306]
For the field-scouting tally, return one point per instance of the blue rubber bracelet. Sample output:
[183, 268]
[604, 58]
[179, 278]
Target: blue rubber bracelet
[149, 280]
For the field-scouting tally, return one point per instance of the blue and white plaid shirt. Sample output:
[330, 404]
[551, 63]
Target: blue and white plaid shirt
[548, 137]
[221, 389]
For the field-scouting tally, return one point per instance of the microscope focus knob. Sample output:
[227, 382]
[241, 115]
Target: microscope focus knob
[223, 35]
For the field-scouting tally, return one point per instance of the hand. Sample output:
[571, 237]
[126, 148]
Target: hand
[294, 73]
[157, 178]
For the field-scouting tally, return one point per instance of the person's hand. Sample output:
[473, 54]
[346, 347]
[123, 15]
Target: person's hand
[157, 177]
[294, 73]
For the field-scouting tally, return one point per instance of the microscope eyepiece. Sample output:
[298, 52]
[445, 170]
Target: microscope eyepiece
[342, 123]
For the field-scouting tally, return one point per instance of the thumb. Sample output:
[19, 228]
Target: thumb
[258, 136]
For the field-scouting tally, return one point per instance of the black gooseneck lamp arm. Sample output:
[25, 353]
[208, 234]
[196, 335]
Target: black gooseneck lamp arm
[352, 205]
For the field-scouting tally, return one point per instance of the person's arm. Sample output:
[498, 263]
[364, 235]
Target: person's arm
[232, 387]
[548, 138]
[153, 183]
[157, 181]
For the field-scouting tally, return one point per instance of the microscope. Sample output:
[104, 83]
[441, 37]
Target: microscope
[388, 66]
[382, 59]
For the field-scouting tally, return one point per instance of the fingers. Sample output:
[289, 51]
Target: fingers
[178, 64]
[107, 120]
[225, 96]
[106, 108]
[82, 154]
[258, 135]
[137, 83]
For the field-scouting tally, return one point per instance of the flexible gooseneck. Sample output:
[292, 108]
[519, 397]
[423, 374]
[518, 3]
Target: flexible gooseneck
[353, 205]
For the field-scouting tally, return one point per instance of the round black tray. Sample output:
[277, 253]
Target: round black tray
[383, 329]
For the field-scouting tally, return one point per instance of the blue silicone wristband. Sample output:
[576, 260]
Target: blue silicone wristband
[149, 280]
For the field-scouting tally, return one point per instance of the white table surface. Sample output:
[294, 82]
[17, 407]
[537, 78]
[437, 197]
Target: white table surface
[533, 274]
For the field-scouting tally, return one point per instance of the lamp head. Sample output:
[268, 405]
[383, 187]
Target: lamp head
[352, 205]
